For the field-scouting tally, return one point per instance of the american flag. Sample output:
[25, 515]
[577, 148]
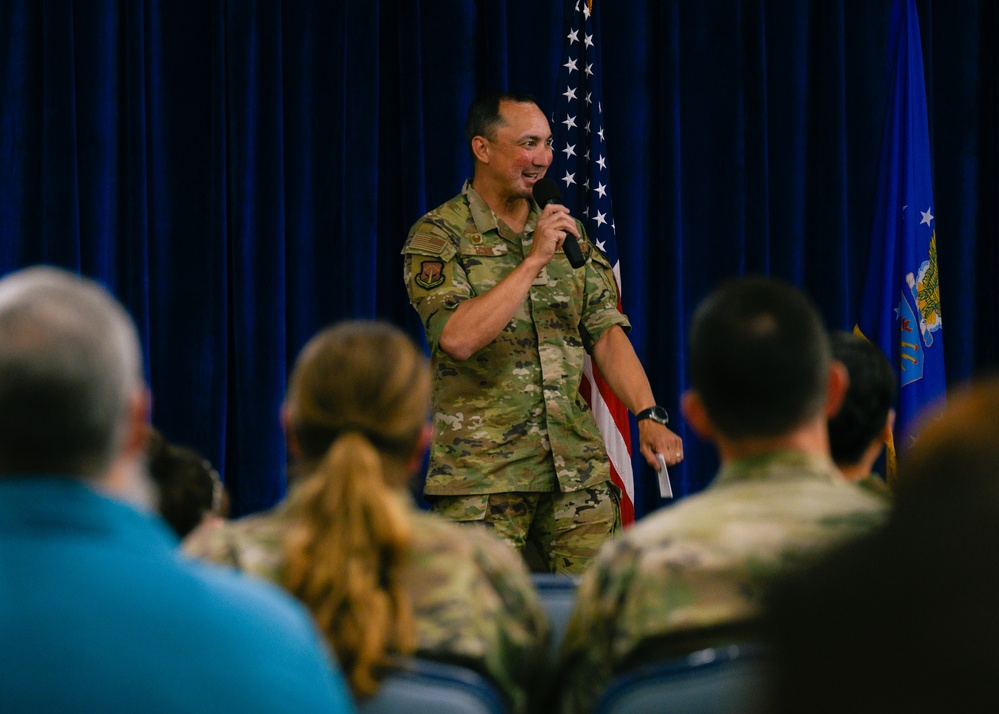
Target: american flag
[580, 168]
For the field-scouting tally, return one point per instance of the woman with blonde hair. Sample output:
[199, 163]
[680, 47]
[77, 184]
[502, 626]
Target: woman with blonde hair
[382, 578]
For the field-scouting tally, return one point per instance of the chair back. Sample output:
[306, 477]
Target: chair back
[720, 680]
[421, 686]
[558, 597]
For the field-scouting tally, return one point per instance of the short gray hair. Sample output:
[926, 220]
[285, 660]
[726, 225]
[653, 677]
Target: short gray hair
[70, 364]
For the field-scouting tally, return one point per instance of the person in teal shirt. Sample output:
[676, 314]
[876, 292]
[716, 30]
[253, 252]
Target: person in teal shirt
[99, 610]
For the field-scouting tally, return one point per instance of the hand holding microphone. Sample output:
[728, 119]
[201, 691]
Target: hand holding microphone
[545, 193]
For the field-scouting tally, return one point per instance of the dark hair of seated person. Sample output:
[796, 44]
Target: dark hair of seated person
[189, 488]
[759, 358]
[868, 400]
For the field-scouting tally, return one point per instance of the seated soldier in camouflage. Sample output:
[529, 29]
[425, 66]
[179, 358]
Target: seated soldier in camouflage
[863, 425]
[382, 578]
[693, 575]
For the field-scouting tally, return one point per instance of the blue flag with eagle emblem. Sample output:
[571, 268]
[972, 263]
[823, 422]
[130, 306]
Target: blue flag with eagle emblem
[901, 307]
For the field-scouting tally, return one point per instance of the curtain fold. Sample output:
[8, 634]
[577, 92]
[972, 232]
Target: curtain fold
[241, 174]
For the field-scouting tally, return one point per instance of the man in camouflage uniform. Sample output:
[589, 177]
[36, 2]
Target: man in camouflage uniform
[693, 575]
[507, 320]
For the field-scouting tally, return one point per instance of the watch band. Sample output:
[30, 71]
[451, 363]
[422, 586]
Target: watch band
[655, 413]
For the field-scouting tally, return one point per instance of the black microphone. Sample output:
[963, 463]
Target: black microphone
[546, 192]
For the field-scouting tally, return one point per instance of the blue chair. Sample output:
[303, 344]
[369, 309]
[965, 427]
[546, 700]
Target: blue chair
[722, 680]
[558, 597]
[421, 686]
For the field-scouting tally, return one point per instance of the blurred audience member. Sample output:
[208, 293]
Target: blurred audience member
[693, 575]
[98, 610]
[382, 578]
[905, 620]
[189, 490]
[863, 425]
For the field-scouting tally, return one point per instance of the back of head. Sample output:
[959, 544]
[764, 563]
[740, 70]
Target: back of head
[69, 365]
[358, 402]
[759, 358]
[868, 399]
[359, 377]
[484, 115]
[954, 460]
[189, 489]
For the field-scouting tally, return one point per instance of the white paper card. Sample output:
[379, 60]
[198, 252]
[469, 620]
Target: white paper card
[665, 490]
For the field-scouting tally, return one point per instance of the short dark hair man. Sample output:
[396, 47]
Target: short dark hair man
[863, 425]
[692, 575]
[508, 321]
[98, 610]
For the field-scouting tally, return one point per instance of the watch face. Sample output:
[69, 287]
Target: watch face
[656, 413]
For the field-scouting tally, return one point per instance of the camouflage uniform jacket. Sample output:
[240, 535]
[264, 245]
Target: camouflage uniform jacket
[472, 598]
[876, 485]
[509, 418]
[704, 562]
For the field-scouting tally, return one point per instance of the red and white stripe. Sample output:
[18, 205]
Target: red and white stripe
[612, 419]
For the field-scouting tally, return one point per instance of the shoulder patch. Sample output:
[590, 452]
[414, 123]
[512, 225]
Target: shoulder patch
[427, 244]
[431, 274]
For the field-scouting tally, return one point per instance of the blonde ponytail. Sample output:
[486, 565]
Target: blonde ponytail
[350, 531]
[349, 539]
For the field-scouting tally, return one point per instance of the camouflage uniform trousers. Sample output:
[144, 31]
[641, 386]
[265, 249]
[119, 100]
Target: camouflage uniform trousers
[561, 530]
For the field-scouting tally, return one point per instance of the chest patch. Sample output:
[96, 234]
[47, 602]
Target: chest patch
[484, 250]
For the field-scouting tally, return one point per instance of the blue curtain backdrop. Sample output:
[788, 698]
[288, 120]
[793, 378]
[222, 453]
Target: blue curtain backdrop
[242, 172]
